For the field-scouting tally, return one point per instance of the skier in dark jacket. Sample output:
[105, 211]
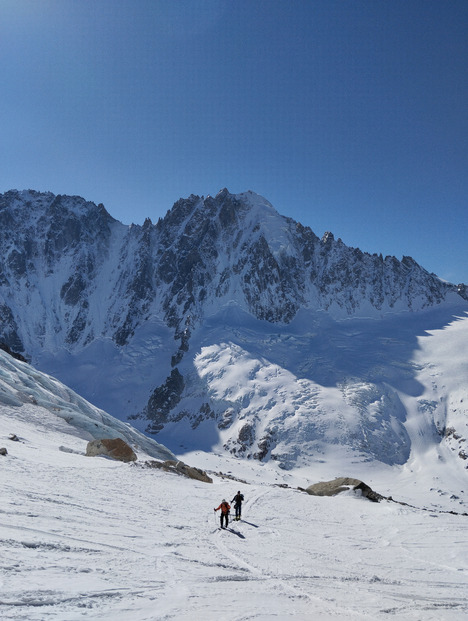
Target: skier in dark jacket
[237, 500]
[225, 508]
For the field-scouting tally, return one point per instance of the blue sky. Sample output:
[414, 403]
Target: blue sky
[348, 116]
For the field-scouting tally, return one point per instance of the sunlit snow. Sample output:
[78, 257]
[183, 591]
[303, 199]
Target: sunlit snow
[91, 538]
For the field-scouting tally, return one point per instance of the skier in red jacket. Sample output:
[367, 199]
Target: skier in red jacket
[225, 508]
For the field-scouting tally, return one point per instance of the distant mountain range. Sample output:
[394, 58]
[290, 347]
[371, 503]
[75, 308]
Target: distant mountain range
[226, 326]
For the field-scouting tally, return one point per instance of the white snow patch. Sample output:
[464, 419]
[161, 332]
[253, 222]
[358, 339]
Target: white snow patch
[91, 538]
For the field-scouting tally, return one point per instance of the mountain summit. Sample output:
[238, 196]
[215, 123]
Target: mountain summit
[222, 325]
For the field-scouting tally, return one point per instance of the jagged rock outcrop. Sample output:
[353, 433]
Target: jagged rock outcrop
[163, 400]
[137, 318]
[88, 276]
[4, 347]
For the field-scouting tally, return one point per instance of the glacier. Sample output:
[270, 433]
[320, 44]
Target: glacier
[97, 539]
[227, 327]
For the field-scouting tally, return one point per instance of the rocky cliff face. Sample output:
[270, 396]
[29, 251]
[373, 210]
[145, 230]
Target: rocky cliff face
[72, 277]
[83, 274]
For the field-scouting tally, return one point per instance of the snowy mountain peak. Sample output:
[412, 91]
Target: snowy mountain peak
[136, 318]
[29, 203]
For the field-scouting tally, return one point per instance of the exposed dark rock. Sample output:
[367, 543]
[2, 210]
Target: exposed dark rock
[72, 290]
[264, 446]
[4, 347]
[164, 399]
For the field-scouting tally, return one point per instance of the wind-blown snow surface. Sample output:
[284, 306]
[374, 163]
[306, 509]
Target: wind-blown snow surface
[91, 538]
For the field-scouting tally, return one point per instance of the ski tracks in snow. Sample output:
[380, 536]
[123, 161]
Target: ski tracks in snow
[264, 573]
[386, 572]
[87, 539]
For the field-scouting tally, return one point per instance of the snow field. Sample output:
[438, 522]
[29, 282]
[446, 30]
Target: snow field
[90, 538]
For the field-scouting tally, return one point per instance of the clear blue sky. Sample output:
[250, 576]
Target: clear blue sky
[349, 116]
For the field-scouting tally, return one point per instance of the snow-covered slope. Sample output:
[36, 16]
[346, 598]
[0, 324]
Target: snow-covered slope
[91, 538]
[391, 390]
[27, 394]
[226, 326]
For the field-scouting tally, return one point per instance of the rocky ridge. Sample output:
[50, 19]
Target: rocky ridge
[74, 282]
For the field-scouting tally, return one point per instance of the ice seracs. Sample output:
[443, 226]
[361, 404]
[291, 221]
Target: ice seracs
[319, 341]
